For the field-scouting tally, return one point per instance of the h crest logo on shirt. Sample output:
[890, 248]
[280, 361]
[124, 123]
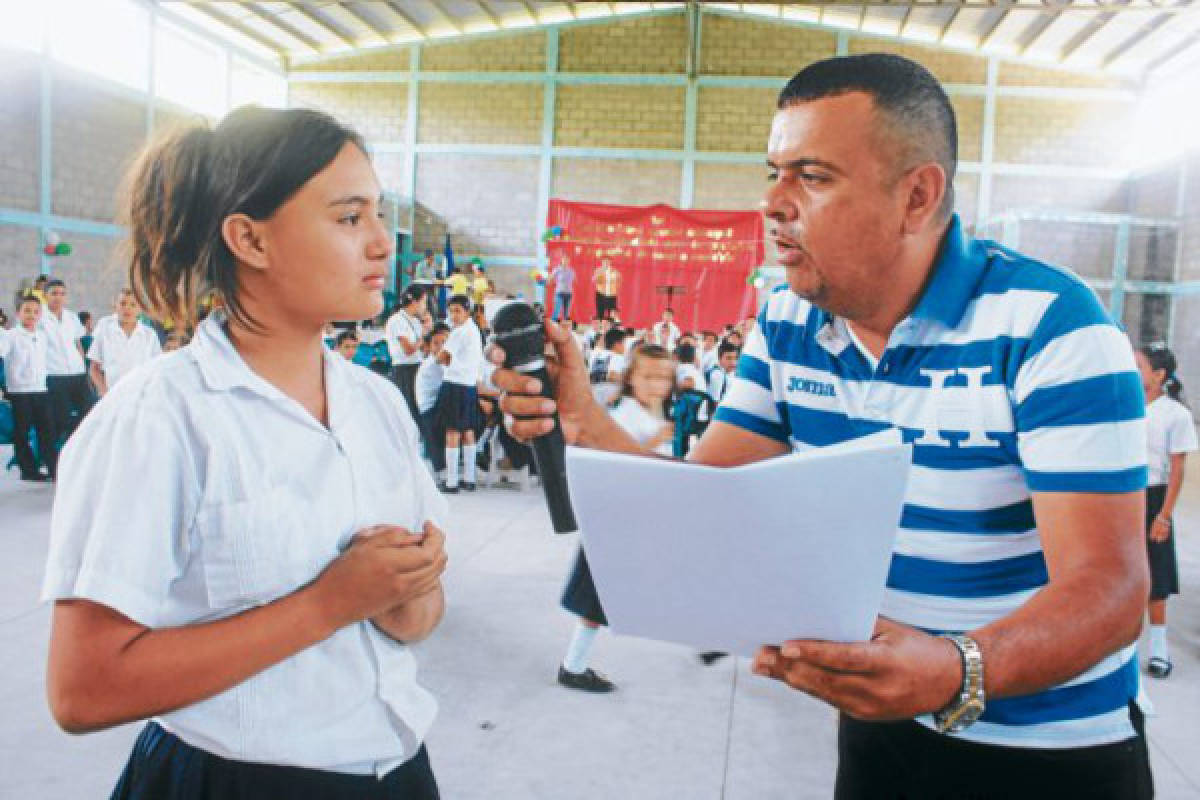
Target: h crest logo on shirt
[955, 410]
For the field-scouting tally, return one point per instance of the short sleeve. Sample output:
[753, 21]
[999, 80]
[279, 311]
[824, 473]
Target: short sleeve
[95, 353]
[1181, 435]
[750, 401]
[1079, 406]
[127, 493]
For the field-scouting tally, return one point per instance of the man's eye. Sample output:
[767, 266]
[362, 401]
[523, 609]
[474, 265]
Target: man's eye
[351, 218]
[772, 177]
[809, 177]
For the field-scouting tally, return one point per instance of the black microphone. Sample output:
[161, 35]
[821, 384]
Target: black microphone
[519, 330]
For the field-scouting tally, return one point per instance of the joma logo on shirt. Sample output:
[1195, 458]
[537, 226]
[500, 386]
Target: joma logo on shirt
[809, 386]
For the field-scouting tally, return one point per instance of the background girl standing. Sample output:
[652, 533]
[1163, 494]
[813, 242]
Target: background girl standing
[641, 409]
[1170, 436]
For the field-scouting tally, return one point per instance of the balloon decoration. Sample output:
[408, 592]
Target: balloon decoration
[554, 234]
[538, 276]
[55, 246]
[756, 278]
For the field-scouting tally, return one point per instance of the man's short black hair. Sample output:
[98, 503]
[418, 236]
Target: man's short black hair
[613, 337]
[345, 336]
[411, 295]
[53, 282]
[460, 300]
[913, 102]
[686, 353]
[439, 327]
[27, 297]
[727, 347]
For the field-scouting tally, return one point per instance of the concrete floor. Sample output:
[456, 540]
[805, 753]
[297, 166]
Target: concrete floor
[506, 730]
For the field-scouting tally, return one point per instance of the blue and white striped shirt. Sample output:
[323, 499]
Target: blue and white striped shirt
[1008, 378]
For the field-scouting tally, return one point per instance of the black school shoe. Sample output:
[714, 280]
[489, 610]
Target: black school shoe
[444, 489]
[36, 477]
[467, 486]
[711, 657]
[587, 681]
[1159, 667]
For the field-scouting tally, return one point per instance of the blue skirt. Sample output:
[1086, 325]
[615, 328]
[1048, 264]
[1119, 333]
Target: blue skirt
[164, 767]
[458, 407]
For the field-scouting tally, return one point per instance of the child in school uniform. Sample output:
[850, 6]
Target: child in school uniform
[458, 399]
[121, 344]
[641, 409]
[24, 351]
[244, 545]
[427, 385]
[1170, 436]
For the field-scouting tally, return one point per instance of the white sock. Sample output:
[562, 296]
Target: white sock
[452, 467]
[576, 660]
[1158, 642]
[469, 463]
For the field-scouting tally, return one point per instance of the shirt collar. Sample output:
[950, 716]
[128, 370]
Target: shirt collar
[223, 367]
[956, 274]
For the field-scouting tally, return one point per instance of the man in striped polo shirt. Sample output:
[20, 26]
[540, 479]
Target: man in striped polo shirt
[1003, 662]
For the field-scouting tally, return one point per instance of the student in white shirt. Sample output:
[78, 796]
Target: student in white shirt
[665, 333]
[641, 409]
[458, 400]
[66, 375]
[121, 343]
[244, 544]
[427, 386]
[403, 334]
[23, 349]
[708, 351]
[346, 344]
[687, 375]
[1170, 436]
[720, 376]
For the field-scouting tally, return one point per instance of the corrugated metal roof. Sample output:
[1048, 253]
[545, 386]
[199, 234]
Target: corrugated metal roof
[1142, 39]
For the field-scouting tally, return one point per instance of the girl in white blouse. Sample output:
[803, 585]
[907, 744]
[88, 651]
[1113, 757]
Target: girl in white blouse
[245, 543]
[641, 409]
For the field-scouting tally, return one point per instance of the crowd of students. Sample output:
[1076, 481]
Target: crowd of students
[55, 363]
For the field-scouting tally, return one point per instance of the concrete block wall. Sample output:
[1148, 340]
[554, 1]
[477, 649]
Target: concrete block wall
[620, 116]
[19, 138]
[376, 110]
[489, 202]
[652, 44]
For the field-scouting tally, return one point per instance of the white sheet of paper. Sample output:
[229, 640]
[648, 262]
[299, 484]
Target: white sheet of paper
[796, 547]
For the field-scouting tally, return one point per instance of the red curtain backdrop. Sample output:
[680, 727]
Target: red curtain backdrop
[708, 254]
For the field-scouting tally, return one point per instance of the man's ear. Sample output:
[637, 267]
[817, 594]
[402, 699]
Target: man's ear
[926, 188]
[246, 240]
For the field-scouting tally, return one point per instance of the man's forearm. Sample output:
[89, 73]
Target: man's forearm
[1063, 630]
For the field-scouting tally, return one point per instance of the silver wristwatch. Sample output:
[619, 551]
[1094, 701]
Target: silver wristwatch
[965, 709]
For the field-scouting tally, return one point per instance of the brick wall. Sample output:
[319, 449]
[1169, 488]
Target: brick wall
[947, 66]
[733, 46]
[623, 181]
[1078, 133]
[387, 60]
[649, 44]
[483, 113]
[1025, 75]
[376, 110]
[734, 120]
[95, 137]
[620, 116]
[486, 204]
[19, 147]
[524, 52]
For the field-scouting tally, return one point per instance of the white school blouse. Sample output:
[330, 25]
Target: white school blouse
[62, 345]
[118, 354]
[24, 355]
[403, 325]
[1170, 430]
[642, 425]
[195, 490]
